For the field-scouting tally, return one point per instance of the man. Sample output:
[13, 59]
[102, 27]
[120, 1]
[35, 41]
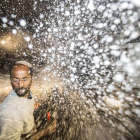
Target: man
[16, 112]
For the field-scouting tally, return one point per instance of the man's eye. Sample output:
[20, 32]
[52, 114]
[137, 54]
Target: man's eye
[24, 79]
[15, 80]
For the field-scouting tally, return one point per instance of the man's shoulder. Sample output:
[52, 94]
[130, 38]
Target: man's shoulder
[12, 93]
[10, 96]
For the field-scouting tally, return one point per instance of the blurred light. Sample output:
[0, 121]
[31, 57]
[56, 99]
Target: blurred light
[4, 19]
[111, 102]
[22, 22]
[8, 38]
[91, 5]
[136, 2]
[14, 31]
[8, 42]
[2, 42]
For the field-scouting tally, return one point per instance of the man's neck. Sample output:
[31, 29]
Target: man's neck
[28, 95]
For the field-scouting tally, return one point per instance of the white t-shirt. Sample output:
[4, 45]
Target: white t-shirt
[16, 116]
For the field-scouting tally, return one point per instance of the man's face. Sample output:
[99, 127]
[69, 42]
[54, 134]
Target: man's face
[21, 80]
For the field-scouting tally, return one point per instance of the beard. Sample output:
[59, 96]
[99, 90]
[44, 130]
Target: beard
[21, 92]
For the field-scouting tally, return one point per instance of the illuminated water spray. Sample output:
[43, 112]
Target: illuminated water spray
[92, 49]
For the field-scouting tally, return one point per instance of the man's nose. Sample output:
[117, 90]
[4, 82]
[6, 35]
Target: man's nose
[20, 83]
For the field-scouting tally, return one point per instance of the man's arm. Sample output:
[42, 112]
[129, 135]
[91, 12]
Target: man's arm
[51, 128]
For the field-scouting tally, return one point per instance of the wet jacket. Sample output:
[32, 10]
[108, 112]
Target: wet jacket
[16, 116]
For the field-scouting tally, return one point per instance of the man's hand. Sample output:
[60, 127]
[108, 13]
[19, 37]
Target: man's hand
[36, 105]
[51, 128]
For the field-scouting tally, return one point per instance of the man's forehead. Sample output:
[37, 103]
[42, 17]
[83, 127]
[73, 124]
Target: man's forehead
[20, 71]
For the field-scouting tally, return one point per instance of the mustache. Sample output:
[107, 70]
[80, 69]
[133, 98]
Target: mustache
[21, 89]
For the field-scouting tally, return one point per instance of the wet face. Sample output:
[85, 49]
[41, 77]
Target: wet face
[21, 80]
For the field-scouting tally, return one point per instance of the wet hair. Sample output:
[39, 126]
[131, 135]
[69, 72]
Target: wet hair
[16, 64]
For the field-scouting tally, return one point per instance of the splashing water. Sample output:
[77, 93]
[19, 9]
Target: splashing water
[91, 49]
